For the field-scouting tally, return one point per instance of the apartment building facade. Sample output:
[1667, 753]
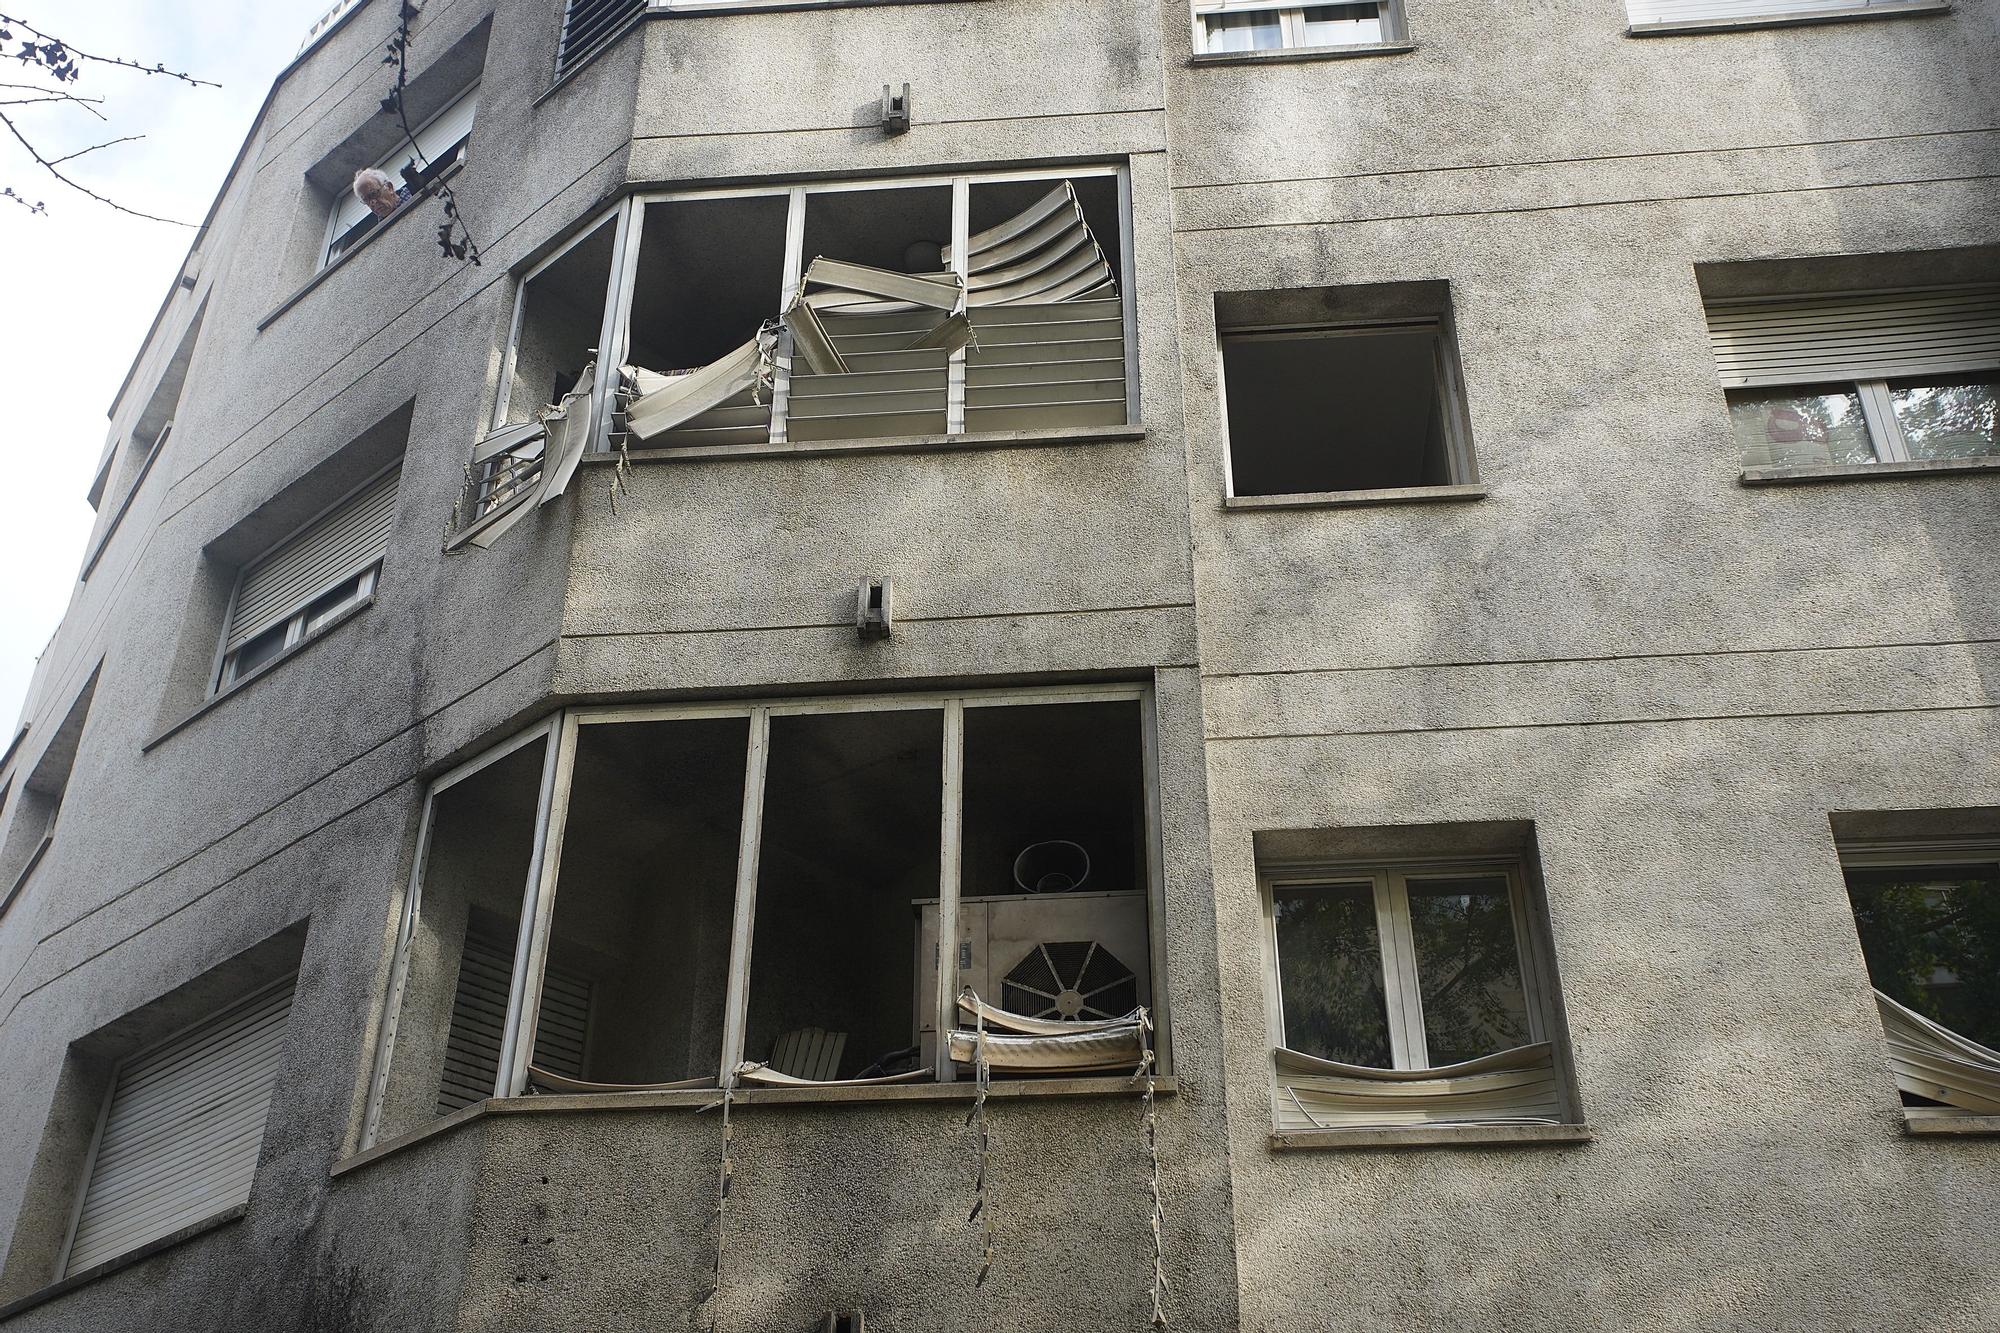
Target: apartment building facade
[1409, 589]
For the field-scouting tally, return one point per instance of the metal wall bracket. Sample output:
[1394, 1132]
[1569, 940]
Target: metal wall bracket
[873, 613]
[895, 110]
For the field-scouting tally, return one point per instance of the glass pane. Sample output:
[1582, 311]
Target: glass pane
[1468, 969]
[1931, 935]
[1052, 909]
[1244, 32]
[638, 961]
[1800, 426]
[1950, 416]
[258, 652]
[1342, 25]
[1330, 974]
[849, 854]
[454, 1002]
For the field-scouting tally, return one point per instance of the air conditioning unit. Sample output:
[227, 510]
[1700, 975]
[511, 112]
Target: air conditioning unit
[1076, 955]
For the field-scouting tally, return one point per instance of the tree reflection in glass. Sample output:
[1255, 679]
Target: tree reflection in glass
[1800, 426]
[1931, 935]
[1330, 974]
[1949, 416]
[1468, 970]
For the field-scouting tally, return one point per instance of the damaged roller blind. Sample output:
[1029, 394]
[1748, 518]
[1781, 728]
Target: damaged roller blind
[1509, 1087]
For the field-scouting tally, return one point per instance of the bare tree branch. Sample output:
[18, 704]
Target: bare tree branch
[50, 167]
[59, 57]
[68, 157]
[36, 207]
[48, 94]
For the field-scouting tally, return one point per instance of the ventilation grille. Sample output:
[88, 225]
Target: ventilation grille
[1071, 980]
[588, 25]
[479, 1019]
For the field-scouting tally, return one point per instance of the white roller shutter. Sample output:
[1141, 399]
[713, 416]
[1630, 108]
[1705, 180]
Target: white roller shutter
[1856, 336]
[180, 1136]
[479, 1018]
[338, 545]
[1647, 13]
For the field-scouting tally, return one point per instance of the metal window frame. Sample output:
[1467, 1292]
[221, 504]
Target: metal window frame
[1291, 21]
[1445, 371]
[1389, 882]
[562, 731]
[628, 215]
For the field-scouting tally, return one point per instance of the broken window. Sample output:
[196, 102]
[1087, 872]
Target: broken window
[822, 312]
[1360, 407]
[1408, 996]
[1930, 933]
[756, 893]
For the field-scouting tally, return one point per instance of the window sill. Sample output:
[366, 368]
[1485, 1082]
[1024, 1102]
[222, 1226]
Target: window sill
[1831, 14]
[1292, 55]
[1936, 467]
[128, 1259]
[236, 687]
[695, 1099]
[1348, 499]
[1433, 1136]
[900, 444]
[409, 206]
[1951, 1126]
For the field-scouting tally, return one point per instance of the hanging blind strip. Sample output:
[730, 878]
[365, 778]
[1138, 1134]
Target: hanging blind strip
[479, 1019]
[588, 24]
[1642, 12]
[337, 547]
[180, 1141]
[1865, 335]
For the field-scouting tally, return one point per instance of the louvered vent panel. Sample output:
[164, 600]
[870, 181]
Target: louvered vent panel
[588, 25]
[479, 1019]
[1645, 12]
[1871, 335]
[180, 1140]
[1042, 364]
[338, 546]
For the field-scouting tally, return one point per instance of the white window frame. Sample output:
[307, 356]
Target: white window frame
[1389, 882]
[1444, 367]
[1292, 23]
[628, 217]
[561, 731]
[1878, 410]
[1726, 17]
[391, 165]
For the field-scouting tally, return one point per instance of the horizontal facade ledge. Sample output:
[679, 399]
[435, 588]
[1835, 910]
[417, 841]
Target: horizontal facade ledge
[896, 444]
[1294, 55]
[1432, 1136]
[1831, 14]
[1951, 1126]
[123, 1261]
[1935, 467]
[1351, 499]
[1117, 1086]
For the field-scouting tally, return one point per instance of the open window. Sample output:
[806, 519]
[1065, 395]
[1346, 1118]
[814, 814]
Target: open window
[1929, 922]
[1222, 26]
[755, 895]
[29, 822]
[440, 142]
[1410, 993]
[840, 311]
[1316, 406]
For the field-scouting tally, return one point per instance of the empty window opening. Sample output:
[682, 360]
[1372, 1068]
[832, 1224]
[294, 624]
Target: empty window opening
[850, 838]
[1341, 409]
[1910, 375]
[638, 952]
[1930, 933]
[1409, 996]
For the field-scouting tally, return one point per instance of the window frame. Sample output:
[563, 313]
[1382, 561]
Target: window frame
[628, 217]
[561, 730]
[389, 165]
[1401, 986]
[1291, 16]
[1451, 403]
[1878, 414]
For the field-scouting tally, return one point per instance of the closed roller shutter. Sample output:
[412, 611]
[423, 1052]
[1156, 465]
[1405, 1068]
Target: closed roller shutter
[588, 25]
[340, 544]
[1645, 13]
[180, 1137]
[479, 1019]
[1856, 336]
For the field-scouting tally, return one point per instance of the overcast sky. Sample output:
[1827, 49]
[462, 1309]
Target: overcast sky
[79, 286]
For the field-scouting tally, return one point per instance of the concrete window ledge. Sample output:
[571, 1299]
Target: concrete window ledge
[1951, 1126]
[899, 444]
[1936, 467]
[1833, 13]
[237, 687]
[1433, 1136]
[1293, 55]
[408, 207]
[696, 1099]
[1351, 499]
[125, 1260]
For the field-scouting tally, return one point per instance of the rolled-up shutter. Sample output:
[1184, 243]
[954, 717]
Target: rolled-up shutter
[180, 1137]
[337, 546]
[1856, 336]
[588, 25]
[1646, 13]
[479, 1018]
